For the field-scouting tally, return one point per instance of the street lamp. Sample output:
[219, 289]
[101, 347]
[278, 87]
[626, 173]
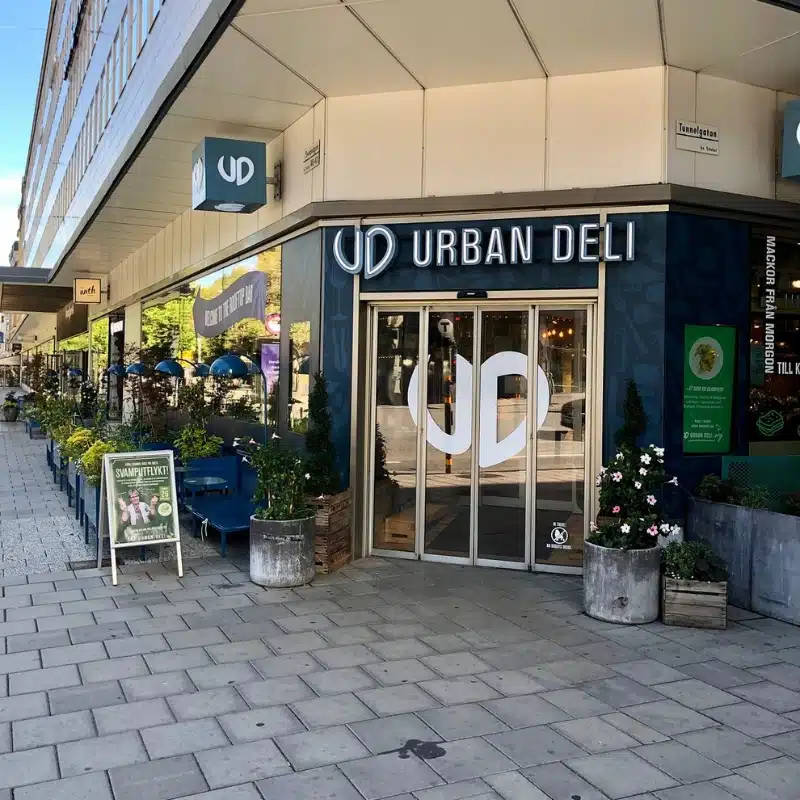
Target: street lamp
[234, 366]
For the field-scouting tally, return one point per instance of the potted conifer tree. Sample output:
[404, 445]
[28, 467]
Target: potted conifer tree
[333, 507]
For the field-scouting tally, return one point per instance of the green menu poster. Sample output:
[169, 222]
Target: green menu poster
[709, 366]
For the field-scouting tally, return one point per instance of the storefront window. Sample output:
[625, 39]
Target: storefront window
[228, 311]
[774, 412]
[98, 344]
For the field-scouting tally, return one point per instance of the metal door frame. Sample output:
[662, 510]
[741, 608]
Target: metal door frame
[533, 305]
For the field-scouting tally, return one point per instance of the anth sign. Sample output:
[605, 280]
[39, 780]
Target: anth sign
[229, 175]
[375, 249]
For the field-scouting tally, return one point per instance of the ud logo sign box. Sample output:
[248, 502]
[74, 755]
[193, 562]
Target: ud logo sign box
[229, 175]
[790, 163]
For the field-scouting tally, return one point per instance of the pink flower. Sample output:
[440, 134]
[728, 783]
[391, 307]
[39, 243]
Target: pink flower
[616, 477]
[616, 510]
[651, 500]
[653, 530]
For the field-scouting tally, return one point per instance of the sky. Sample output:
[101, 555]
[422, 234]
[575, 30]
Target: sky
[23, 25]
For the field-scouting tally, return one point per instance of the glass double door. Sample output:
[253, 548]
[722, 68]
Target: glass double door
[457, 470]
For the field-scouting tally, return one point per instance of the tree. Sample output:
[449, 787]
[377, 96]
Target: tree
[634, 418]
[324, 479]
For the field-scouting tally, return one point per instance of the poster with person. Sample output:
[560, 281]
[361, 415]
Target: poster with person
[140, 502]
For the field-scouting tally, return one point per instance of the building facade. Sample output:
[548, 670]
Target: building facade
[480, 225]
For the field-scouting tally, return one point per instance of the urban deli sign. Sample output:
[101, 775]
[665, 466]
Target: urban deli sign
[376, 248]
[229, 175]
[790, 160]
[72, 320]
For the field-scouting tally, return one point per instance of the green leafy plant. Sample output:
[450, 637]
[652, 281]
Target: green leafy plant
[281, 480]
[791, 505]
[321, 463]
[753, 497]
[194, 442]
[10, 401]
[90, 463]
[693, 561]
[629, 485]
[192, 400]
[78, 443]
[634, 419]
[717, 490]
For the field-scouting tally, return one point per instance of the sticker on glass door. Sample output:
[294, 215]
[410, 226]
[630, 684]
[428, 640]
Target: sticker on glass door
[490, 451]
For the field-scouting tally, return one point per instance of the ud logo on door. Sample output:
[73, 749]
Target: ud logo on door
[490, 451]
[229, 175]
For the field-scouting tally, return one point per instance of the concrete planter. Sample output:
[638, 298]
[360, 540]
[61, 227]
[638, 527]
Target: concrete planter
[621, 585]
[10, 413]
[761, 550]
[282, 552]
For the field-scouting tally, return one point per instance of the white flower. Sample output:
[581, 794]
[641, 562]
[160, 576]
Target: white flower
[645, 459]
[665, 527]
[603, 470]
[245, 460]
[236, 442]
[616, 477]
[651, 500]
[638, 484]
[643, 471]
[675, 529]
[653, 530]
[275, 436]
[625, 528]
[592, 527]
[674, 481]
[307, 477]
[598, 482]
[252, 441]
[620, 456]
[659, 451]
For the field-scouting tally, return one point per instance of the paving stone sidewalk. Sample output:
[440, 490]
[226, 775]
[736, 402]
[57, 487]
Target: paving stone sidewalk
[38, 530]
[393, 678]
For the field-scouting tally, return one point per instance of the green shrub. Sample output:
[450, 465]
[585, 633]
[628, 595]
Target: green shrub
[195, 442]
[91, 462]
[693, 561]
[717, 490]
[78, 443]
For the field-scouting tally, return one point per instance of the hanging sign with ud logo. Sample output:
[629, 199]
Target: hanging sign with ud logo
[229, 175]
[790, 161]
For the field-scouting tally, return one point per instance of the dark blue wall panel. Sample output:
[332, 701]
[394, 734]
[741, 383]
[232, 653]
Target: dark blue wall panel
[708, 283]
[337, 352]
[634, 329]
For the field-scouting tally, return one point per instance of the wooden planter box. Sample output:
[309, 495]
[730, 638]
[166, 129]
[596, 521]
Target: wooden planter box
[332, 546]
[695, 604]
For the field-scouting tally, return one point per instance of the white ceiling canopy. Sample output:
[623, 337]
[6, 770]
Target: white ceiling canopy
[280, 57]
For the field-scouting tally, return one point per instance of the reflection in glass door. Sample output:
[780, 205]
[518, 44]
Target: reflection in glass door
[561, 440]
[448, 425]
[394, 499]
[503, 435]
